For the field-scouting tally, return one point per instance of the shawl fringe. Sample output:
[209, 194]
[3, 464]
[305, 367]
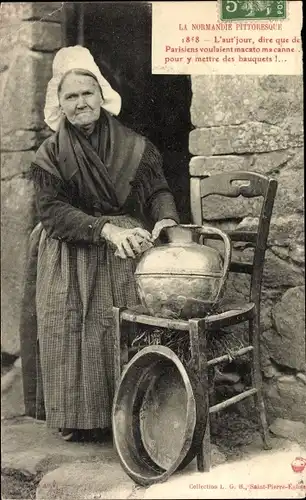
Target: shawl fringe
[149, 173]
[45, 180]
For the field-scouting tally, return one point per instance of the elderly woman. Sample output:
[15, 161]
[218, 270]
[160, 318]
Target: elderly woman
[102, 199]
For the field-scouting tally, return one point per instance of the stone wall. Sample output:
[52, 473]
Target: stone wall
[256, 123]
[30, 35]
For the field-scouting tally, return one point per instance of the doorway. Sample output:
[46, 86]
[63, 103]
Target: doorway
[118, 34]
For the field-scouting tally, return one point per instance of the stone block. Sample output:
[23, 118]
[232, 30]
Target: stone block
[286, 399]
[279, 83]
[209, 141]
[203, 165]
[279, 273]
[251, 137]
[283, 229]
[214, 102]
[296, 162]
[15, 163]
[275, 106]
[270, 370]
[9, 39]
[255, 98]
[22, 104]
[301, 376]
[287, 344]
[297, 253]
[281, 252]
[289, 429]
[272, 162]
[236, 289]
[10, 13]
[42, 11]
[41, 36]
[20, 140]
[16, 224]
[290, 192]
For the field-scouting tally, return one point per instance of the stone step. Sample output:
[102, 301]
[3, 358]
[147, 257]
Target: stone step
[79, 481]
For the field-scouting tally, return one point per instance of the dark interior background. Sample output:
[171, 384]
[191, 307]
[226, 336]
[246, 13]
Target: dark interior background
[118, 34]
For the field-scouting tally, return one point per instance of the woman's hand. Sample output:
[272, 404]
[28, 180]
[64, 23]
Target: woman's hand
[160, 225]
[128, 242]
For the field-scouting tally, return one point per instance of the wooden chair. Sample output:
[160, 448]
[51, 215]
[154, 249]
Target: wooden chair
[234, 184]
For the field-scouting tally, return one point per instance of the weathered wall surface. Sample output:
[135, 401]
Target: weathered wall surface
[256, 123]
[30, 35]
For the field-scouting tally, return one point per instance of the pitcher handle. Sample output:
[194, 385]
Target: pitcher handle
[207, 230]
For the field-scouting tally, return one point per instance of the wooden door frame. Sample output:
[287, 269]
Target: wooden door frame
[73, 12]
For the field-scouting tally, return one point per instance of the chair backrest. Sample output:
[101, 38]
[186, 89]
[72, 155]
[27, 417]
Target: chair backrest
[248, 185]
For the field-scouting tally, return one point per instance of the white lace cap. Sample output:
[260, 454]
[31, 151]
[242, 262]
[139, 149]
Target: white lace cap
[66, 59]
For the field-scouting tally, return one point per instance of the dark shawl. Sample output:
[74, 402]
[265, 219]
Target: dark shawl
[81, 181]
[104, 172]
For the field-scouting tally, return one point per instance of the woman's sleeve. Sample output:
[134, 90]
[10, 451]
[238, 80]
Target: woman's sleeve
[60, 219]
[154, 188]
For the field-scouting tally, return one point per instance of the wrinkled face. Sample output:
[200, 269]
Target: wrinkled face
[80, 99]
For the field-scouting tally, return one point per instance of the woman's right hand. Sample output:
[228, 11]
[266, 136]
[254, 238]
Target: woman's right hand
[128, 242]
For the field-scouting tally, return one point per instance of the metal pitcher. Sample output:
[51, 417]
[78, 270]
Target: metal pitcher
[183, 278]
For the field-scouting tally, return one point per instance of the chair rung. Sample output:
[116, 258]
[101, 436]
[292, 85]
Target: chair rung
[247, 236]
[241, 267]
[232, 401]
[154, 321]
[229, 318]
[227, 357]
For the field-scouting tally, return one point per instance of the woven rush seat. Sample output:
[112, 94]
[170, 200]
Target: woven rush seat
[222, 317]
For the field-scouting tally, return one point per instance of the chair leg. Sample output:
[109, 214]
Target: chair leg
[117, 346]
[254, 332]
[204, 454]
[198, 354]
[214, 417]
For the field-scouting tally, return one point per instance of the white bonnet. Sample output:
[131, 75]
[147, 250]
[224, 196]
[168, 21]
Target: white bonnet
[66, 59]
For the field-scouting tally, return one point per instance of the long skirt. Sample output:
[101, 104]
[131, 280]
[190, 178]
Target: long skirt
[76, 288]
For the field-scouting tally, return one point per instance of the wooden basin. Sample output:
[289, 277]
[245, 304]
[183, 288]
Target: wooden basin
[154, 418]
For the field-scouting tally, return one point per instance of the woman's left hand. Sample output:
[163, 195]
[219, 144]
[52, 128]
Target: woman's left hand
[160, 225]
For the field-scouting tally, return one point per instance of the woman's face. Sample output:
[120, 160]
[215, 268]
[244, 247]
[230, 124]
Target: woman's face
[80, 99]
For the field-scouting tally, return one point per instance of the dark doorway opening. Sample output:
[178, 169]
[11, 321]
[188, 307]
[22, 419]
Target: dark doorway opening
[157, 106]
